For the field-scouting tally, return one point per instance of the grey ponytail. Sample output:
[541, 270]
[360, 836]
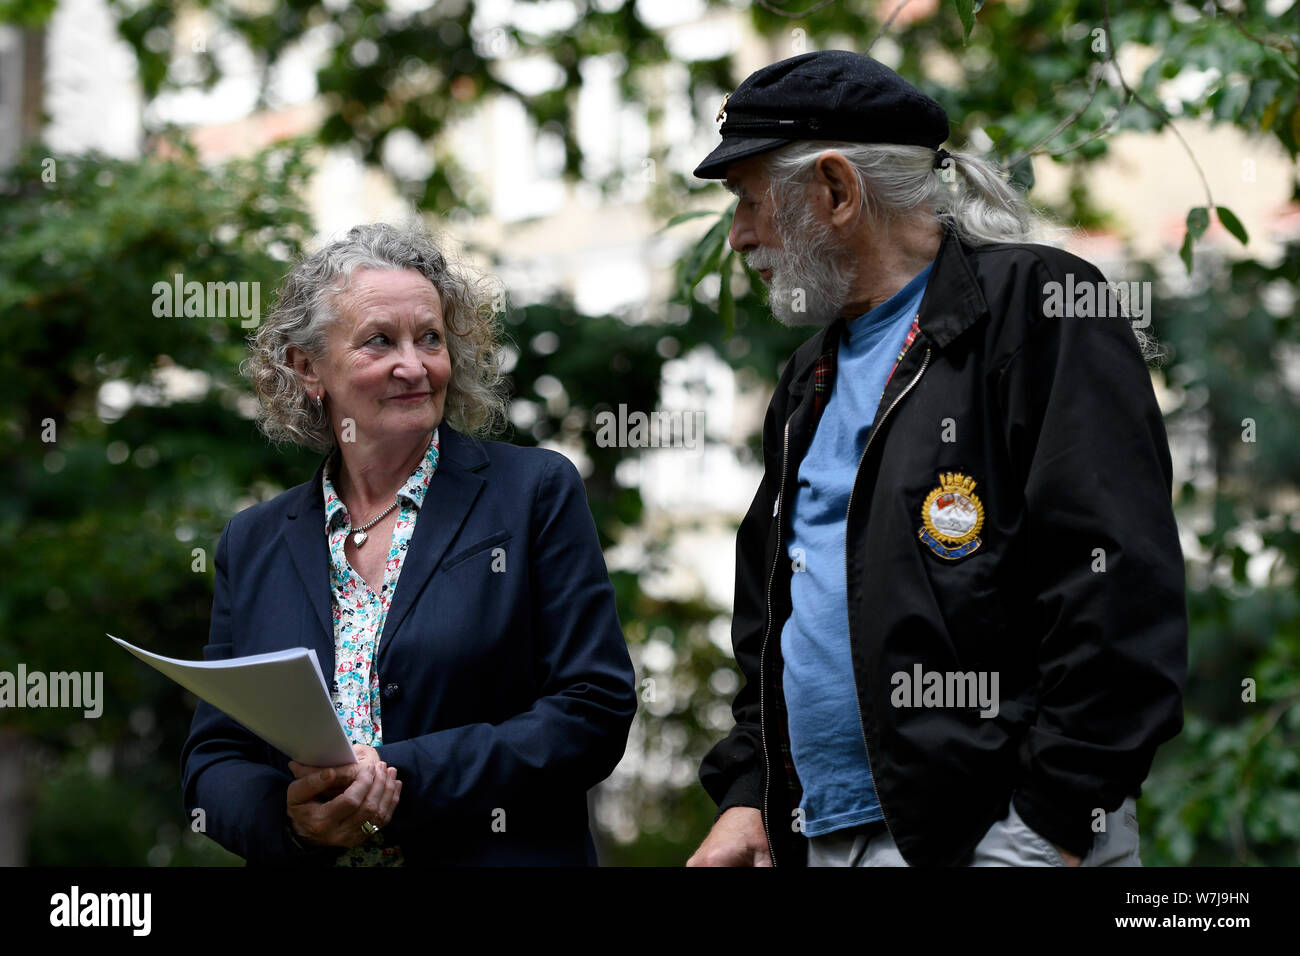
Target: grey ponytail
[966, 192]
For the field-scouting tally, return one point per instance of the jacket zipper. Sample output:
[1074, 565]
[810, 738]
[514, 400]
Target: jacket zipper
[847, 511]
[762, 653]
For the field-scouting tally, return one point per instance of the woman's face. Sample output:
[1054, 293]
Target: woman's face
[386, 364]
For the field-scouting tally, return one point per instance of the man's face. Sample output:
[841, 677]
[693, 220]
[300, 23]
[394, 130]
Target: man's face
[754, 224]
[807, 269]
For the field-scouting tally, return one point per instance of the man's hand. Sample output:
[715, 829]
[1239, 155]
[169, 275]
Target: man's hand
[737, 839]
[1069, 858]
[327, 806]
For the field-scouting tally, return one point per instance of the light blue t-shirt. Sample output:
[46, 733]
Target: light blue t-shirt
[826, 736]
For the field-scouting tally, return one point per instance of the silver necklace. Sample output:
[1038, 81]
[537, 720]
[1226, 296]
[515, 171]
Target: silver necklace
[359, 536]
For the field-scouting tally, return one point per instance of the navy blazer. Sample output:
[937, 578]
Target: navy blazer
[506, 683]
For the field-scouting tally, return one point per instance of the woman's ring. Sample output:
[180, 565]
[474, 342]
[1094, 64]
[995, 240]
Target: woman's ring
[369, 828]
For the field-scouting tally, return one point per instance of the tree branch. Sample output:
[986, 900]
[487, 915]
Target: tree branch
[884, 27]
[794, 16]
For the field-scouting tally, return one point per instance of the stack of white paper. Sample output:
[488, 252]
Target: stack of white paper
[281, 696]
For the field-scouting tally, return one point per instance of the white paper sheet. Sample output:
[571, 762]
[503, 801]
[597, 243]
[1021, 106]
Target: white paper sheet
[281, 696]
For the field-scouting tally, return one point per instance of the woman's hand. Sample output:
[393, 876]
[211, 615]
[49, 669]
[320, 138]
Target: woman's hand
[328, 805]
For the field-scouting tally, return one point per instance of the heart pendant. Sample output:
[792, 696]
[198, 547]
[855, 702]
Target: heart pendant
[359, 538]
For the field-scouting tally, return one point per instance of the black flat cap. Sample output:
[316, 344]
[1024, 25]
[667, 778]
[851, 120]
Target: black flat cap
[826, 95]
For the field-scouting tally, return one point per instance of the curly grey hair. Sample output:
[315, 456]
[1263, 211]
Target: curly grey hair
[306, 307]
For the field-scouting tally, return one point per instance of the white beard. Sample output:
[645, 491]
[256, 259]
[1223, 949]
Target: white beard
[811, 276]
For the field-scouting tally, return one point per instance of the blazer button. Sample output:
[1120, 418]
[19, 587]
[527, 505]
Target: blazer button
[392, 692]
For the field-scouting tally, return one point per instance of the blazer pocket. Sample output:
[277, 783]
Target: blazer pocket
[218, 652]
[467, 552]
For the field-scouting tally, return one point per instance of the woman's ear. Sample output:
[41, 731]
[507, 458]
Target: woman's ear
[305, 370]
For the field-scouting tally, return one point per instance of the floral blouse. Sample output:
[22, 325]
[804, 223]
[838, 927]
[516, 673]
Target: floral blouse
[359, 614]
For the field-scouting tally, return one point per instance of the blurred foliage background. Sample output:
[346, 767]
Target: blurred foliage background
[110, 526]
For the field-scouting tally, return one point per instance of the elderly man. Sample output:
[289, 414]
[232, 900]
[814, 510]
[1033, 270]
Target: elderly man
[960, 604]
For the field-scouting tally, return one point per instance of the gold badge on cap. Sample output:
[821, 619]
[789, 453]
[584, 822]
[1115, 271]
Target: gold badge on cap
[722, 110]
[951, 517]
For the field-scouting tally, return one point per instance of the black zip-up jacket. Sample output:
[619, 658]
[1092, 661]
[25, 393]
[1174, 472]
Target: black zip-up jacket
[1074, 593]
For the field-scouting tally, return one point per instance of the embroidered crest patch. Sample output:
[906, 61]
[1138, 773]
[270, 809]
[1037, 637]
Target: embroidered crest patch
[951, 517]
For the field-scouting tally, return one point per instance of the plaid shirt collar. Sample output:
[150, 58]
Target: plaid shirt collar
[824, 370]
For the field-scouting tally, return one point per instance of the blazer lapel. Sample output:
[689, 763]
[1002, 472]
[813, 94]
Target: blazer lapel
[453, 490]
[304, 532]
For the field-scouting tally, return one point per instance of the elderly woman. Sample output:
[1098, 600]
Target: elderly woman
[455, 588]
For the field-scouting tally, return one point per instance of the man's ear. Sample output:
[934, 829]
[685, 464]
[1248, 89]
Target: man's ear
[837, 190]
[305, 370]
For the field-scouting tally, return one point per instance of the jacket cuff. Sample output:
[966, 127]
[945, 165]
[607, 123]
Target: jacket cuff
[745, 791]
[298, 853]
[1066, 828]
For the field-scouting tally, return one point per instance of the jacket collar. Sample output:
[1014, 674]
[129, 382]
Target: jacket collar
[453, 491]
[952, 303]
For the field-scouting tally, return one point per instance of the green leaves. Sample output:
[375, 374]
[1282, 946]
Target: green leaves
[1198, 221]
[726, 301]
[966, 13]
[686, 217]
[108, 500]
[31, 14]
[1214, 794]
[1232, 224]
[704, 256]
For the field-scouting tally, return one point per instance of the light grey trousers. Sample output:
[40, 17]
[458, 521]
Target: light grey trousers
[1009, 842]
